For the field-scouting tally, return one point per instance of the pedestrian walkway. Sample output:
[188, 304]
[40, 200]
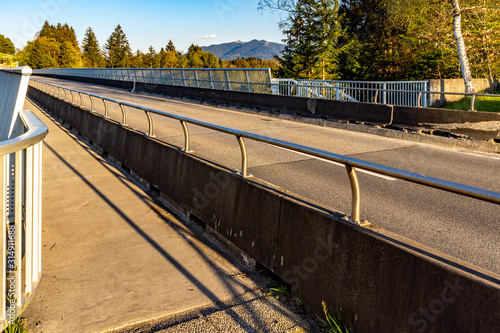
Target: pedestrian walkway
[114, 260]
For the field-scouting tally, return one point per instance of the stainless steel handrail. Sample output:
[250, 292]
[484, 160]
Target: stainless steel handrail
[351, 163]
[37, 131]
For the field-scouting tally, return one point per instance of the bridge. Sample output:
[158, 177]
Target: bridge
[263, 186]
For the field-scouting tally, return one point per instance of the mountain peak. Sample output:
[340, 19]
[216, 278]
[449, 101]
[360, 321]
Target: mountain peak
[255, 48]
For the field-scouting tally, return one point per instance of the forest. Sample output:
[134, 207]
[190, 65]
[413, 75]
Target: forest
[56, 46]
[325, 39]
[387, 39]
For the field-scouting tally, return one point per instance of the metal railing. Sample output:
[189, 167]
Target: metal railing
[255, 80]
[351, 164]
[20, 195]
[403, 93]
[21, 135]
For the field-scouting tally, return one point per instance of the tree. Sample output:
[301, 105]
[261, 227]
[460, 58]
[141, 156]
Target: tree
[462, 53]
[92, 54]
[312, 30]
[6, 45]
[69, 56]
[151, 58]
[47, 30]
[197, 58]
[118, 50]
[61, 33]
[43, 52]
[169, 58]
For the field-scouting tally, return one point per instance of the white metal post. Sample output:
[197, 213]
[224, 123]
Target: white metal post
[29, 220]
[18, 215]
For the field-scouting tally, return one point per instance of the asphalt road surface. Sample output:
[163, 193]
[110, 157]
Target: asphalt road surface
[465, 228]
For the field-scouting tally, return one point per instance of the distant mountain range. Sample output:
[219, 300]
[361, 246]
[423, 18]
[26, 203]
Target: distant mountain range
[255, 48]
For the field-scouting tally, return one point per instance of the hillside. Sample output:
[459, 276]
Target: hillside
[238, 49]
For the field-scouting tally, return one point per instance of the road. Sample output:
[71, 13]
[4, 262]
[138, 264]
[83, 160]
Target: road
[465, 228]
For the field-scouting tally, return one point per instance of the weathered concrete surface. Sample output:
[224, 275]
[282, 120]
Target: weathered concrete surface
[113, 257]
[456, 85]
[386, 282]
[236, 315]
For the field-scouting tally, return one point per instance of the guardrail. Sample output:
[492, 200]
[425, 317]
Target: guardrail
[20, 194]
[234, 79]
[377, 92]
[351, 164]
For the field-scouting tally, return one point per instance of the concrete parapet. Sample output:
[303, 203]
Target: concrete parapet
[456, 85]
[407, 115]
[385, 282]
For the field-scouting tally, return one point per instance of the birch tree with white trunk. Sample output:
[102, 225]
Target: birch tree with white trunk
[462, 53]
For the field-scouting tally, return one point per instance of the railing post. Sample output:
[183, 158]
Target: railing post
[105, 108]
[227, 80]
[124, 115]
[150, 122]
[356, 201]
[244, 156]
[472, 103]
[29, 220]
[384, 98]
[186, 136]
[248, 81]
[37, 211]
[3, 201]
[18, 223]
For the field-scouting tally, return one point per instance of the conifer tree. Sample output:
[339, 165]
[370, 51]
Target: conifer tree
[312, 33]
[92, 55]
[118, 50]
[151, 59]
[170, 58]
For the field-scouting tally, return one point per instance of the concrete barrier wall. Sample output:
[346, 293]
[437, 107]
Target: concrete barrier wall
[307, 107]
[456, 85]
[385, 282]
[407, 115]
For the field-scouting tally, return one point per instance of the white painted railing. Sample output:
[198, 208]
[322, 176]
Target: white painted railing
[406, 93]
[20, 195]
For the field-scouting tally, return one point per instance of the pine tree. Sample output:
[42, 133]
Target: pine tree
[118, 50]
[92, 55]
[170, 47]
[151, 58]
[312, 33]
[48, 31]
[170, 58]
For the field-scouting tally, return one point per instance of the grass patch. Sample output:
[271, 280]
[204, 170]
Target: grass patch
[483, 103]
[333, 322]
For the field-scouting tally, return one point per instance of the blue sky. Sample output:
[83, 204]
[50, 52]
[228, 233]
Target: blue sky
[144, 22]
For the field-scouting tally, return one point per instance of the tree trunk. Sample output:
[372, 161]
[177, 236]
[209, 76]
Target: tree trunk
[462, 54]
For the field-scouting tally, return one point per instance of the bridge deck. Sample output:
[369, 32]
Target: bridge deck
[113, 257]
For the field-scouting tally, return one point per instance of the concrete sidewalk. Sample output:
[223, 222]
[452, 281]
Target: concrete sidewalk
[114, 260]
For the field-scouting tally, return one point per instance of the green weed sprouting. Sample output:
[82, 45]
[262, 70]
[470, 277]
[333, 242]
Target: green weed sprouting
[332, 323]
